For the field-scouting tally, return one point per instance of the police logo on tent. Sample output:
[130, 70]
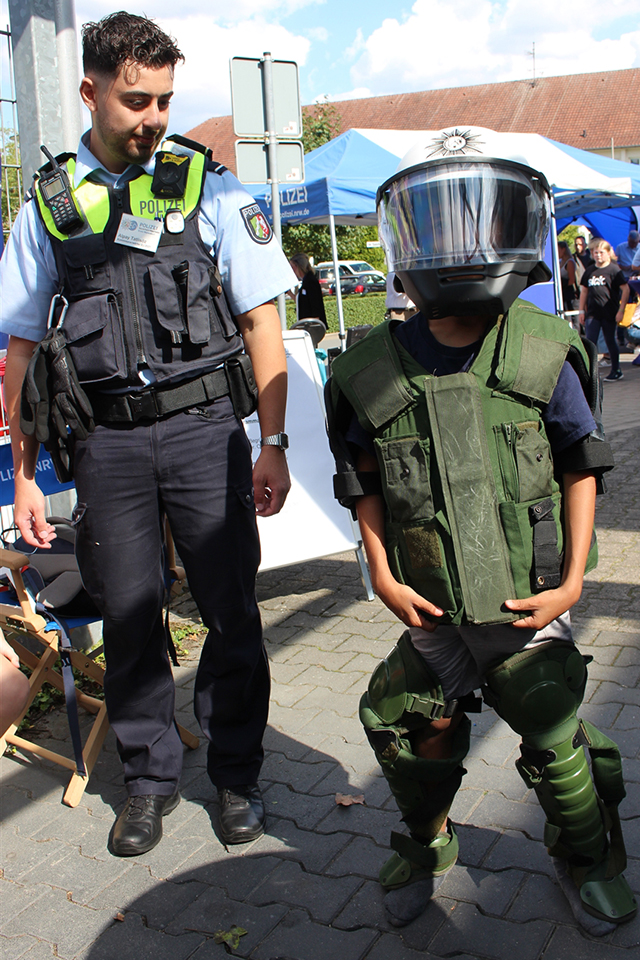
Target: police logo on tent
[256, 223]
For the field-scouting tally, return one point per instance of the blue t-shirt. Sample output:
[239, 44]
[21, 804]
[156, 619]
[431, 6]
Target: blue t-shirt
[567, 417]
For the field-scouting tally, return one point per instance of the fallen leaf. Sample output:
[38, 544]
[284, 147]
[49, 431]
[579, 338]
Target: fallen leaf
[230, 938]
[347, 799]
[119, 916]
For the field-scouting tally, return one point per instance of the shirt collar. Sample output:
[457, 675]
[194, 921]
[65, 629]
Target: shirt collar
[87, 164]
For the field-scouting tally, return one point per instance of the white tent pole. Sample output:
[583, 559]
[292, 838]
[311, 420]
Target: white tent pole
[555, 260]
[336, 273]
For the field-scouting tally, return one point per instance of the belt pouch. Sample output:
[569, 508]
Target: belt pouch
[242, 385]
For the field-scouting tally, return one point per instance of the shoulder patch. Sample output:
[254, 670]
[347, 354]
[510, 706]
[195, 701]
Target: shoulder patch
[256, 223]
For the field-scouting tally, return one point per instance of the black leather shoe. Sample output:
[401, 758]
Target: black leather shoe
[139, 827]
[241, 813]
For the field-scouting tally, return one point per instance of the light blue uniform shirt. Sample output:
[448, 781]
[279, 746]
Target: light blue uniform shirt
[252, 273]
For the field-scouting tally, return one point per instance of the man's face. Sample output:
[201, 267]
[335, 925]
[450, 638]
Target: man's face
[632, 240]
[130, 113]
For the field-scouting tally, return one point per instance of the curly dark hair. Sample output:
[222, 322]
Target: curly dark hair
[124, 39]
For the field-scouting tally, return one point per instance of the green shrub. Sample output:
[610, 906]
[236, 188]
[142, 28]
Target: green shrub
[357, 310]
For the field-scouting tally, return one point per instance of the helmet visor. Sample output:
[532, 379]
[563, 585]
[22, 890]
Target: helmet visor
[452, 214]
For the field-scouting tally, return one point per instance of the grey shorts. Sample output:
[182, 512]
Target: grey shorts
[460, 656]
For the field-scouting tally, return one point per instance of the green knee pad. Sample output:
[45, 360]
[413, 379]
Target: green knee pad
[538, 693]
[404, 696]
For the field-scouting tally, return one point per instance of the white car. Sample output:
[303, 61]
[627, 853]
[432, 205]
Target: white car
[349, 268]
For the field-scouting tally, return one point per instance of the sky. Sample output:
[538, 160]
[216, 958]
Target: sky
[350, 48]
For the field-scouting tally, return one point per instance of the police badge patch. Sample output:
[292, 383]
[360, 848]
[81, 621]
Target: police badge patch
[256, 223]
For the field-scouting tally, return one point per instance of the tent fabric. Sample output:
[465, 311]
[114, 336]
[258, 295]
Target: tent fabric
[343, 175]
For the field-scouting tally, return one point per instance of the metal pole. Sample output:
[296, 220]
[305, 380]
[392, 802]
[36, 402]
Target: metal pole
[68, 78]
[555, 260]
[272, 155]
[334, 253]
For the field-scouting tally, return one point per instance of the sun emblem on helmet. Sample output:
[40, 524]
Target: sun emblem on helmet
[455, 143]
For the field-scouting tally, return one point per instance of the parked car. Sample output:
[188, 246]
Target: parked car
[349, 267]
[348, 285]
[374, 282]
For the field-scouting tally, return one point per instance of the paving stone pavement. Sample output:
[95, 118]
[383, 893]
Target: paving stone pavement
[308, 889]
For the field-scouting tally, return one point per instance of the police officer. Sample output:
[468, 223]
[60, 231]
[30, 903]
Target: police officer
[465, 438]
[168, 273]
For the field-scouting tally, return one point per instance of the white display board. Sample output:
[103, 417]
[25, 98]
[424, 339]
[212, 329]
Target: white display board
[312, 523]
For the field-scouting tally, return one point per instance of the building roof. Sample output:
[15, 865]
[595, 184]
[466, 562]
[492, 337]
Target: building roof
[585, 110]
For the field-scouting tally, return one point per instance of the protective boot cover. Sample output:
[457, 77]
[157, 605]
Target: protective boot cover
[404, 695]
[538, 692]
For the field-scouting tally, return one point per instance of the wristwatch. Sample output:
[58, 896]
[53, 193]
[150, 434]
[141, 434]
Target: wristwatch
[280, 440]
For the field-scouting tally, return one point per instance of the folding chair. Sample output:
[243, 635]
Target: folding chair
[23, 616]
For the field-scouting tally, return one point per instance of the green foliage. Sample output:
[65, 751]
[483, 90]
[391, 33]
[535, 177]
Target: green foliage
[357, 310]
[10, 180]
[320, 123]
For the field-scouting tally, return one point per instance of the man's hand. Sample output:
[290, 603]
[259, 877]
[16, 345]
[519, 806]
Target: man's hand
[29, 515]
[271, 481]
[544, 607]
[407, 605]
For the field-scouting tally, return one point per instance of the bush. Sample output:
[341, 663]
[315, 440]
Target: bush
[357, 310]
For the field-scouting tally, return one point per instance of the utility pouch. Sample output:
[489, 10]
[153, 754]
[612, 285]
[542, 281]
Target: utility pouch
[242, 385]
[54, 407]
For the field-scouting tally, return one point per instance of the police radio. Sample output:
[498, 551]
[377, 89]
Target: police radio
[56, 192]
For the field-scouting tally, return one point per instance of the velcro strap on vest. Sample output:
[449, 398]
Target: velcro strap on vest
[152, 404]
[546, 559]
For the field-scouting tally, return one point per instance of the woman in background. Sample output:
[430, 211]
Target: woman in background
[309, 302]
[603, 297]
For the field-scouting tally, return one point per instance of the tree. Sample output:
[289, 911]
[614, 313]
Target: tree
[321, 123]
[11, 194]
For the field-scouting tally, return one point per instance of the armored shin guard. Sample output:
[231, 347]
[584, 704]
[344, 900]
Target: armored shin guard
[404, 696]
[538, 693]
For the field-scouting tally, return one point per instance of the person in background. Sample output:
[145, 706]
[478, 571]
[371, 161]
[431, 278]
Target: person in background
[626, 251]
[567, 275]
[603, 296]
[398, 304]
[309, 300]
[583, 258]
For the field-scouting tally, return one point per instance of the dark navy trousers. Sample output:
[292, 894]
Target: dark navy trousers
[194, 466]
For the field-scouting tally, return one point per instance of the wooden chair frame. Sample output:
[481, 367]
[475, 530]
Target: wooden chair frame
[21, 620]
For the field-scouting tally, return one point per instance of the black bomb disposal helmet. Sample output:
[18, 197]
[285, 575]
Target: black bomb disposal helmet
[464, 221]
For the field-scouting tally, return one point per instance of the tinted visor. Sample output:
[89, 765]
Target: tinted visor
[451, 214]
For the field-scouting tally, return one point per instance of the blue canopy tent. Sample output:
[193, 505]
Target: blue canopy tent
[343, 175]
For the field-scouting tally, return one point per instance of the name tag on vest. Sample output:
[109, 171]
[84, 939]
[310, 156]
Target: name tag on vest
[138, 232]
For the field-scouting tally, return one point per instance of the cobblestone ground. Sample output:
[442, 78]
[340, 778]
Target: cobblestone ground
[308, 890]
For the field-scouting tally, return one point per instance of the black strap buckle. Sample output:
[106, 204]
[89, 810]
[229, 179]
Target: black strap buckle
[143, 406]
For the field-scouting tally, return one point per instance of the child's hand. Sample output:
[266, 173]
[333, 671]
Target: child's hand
[408, 605]
[543, 608]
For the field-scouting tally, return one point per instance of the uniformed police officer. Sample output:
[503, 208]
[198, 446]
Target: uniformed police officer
[169, 272]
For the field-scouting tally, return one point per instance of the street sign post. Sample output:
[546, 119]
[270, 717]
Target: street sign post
[265, 97]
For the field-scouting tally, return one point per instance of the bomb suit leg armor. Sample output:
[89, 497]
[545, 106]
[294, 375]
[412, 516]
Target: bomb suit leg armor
[403, 700]
[538, 692]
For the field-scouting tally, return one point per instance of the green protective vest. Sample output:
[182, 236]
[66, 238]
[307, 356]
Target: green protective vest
[130, 308]
[473, 511]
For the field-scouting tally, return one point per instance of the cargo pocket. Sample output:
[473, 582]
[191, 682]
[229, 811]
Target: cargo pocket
[181, 300]
[535, 467]
[406, 478]
[94, 334]
[417, 551]
[534, 537]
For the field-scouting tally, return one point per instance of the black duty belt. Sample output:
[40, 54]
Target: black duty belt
[154, 402]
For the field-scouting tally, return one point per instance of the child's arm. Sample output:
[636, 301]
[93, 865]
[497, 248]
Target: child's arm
[579, 511]
[407, 605]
